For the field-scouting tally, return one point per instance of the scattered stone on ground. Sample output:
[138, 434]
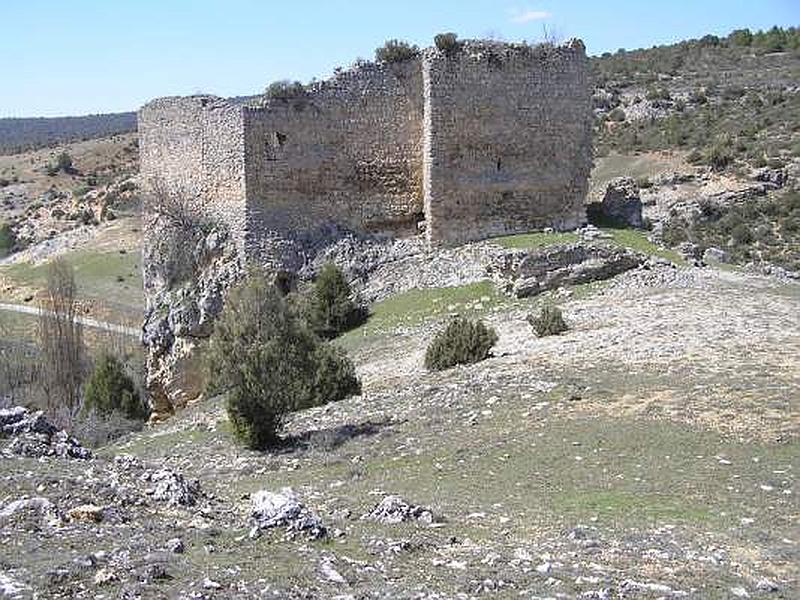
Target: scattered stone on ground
[33, 435]
[393, 509]
[169, 486]
[283, 509]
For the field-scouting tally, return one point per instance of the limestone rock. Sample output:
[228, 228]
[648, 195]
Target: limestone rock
[283, 509]
[34, 436]
[622, 203]
[171, 487]
[556, 266]
[714, 256]
[40, 507]
[394, 509]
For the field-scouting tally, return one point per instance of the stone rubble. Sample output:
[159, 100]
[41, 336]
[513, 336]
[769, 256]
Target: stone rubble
[32, 435]
[41, 507]
[169, 486]
[394, 509]
[283, 509]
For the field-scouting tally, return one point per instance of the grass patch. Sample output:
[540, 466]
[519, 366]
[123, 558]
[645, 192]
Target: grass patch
[616, 506]
[415, 306]
[97, 275]
[637, 240]
[527, 241]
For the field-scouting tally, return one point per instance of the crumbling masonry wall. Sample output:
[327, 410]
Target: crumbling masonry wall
[195, 147]
[486, 140]
[507, 140]
[348, 151]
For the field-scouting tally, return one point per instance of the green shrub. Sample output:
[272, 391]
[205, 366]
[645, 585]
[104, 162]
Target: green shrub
[719, 156]
[331, 309]
[110, 390]
[285, 90]
[334, 375]
[394, 51]
[742, 234]
[548, 321]
[64, 162]
[462, 342]
[8, 239]
[270, 363]
[446, 42]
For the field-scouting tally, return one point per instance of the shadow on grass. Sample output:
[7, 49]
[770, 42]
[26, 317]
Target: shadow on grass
[332, 437]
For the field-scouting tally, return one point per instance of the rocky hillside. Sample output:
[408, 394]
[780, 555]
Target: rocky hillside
[19, 135]
[649, 452]
[709, 130]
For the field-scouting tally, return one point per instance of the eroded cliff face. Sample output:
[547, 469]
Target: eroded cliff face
[184, 298]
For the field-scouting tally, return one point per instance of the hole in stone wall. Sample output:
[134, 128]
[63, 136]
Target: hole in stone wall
[507, 195]
[280, 138]
[499, 164]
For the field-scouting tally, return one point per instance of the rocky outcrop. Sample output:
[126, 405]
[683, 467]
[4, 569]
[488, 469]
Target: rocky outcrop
[181, 309]
[571, 264]
[394, 509]
[283, 509]
[34, 436]
[621, 203]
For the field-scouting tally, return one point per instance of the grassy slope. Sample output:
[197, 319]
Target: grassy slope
[509, 466]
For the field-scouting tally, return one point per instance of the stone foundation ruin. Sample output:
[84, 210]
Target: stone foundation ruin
[483, 140]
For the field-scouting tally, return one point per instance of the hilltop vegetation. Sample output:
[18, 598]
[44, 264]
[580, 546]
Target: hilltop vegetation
[723, 99]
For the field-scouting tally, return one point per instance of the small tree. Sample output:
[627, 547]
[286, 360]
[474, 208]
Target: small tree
[461, 342]
[548, 321]
[64, 162]
[178, 226]
[334, 375]
[270, 364]
[285, 89]
[394, 51]
[8, 239]
[332, 310]
[447, 42]
[60, 336]
[110, 390]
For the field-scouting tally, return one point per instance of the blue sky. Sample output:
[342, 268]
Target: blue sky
[60, 57]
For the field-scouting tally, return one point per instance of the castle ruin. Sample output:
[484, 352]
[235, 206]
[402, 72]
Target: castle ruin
[487, 140]
[483, 140]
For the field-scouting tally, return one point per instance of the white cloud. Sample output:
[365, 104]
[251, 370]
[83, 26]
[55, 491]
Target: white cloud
[527, 16]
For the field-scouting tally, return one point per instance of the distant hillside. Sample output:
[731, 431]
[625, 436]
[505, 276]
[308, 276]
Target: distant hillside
[728, 100]
[18, 135]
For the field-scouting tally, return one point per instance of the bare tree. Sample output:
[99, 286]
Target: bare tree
[175, 208]
[60, 336]
[177, 225]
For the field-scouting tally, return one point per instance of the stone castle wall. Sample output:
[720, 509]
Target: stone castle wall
[507, 140]
[194, 147]
[487, 140]
[348, 151]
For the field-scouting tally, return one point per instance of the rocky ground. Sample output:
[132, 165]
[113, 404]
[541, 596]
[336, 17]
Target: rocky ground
[42, 204]
[650, 452]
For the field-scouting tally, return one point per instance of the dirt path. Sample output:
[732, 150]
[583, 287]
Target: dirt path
[85, 321]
